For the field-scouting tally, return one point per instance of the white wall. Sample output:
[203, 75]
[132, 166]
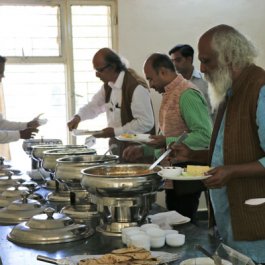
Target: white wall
[147, 26]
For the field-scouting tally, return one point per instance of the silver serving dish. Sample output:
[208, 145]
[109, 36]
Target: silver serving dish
[49, 228]
[20, 210]
[121, 180]
[68, 169]
[38, 150]
[50, 156]
[29, 143]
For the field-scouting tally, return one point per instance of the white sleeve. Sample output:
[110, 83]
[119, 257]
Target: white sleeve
[93, 108]
[9, 136]
[142, 111]
[11, 125]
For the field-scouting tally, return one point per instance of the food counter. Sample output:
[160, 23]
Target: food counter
[13, 254]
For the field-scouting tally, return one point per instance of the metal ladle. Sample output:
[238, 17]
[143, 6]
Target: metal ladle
[217, 260]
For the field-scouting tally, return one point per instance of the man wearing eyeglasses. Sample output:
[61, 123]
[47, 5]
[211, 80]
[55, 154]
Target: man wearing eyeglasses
[124, 97]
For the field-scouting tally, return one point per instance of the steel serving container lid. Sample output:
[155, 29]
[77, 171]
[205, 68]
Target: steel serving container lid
[121, 180]
[20, 210]
[49, 228]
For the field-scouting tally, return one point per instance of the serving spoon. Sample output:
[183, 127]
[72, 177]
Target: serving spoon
[216, 259]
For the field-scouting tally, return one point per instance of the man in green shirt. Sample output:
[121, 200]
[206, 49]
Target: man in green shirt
[183, 108]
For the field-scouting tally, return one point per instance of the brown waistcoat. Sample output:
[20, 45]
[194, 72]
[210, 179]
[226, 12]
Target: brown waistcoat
[241, 145]
[130, 82]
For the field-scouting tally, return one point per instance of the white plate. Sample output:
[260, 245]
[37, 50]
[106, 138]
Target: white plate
[128, 137]
[182, 177]
[73, 260]
[77, 132]
[203, 261]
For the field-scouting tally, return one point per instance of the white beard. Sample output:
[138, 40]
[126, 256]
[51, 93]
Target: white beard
[219, 82]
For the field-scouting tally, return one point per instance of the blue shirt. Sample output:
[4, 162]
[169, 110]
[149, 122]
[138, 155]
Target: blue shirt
[219, 199]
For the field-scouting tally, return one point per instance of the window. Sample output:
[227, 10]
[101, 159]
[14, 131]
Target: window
[49, 48]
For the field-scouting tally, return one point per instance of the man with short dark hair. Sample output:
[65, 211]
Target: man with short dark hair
[182, 56]
[11, 131]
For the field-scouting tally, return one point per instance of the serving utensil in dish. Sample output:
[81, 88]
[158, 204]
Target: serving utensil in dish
[182, 137]
[217, 260]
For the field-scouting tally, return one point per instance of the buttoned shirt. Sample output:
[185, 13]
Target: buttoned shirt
[143, 117]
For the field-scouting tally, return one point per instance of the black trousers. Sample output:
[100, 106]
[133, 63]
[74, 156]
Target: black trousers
[186, 204]
[185, 196]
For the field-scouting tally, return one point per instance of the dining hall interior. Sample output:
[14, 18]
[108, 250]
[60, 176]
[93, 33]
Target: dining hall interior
[49, 46]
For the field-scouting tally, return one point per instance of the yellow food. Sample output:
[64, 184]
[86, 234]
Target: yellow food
[128, 135]
[123, 256]
[196, 170]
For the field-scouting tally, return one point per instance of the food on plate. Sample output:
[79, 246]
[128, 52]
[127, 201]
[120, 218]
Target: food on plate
[123, 256]
[196, 170]
[128, 135]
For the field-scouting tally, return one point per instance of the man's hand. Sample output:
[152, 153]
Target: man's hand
[33, 124]
[133, 153]
[157, 141]
[105, 133]
[28, 133]
[219, 176]
[72, 124]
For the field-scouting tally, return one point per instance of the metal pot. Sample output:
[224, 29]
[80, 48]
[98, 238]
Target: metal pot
[29, 143]
[68, 169]
[50, 156]
[121, 180]
[38, 150]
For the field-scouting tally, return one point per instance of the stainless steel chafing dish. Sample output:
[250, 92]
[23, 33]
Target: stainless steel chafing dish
[69, 168]
[121, 180]
[50, 156]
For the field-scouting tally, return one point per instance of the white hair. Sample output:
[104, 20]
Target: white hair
[233, 48]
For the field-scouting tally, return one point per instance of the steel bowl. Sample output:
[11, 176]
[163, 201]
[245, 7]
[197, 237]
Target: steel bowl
[50, 156]
[68, 169]
[29, 143]
[38, 150]
[121, 180]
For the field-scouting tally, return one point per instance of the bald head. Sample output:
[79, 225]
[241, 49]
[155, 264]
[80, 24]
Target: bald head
[109, 57]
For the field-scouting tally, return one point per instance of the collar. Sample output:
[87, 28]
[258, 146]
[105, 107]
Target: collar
[196, 73]
[174, 83]
[118, 82]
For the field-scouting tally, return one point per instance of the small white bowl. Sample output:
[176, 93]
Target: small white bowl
[131, 234]
[127, 230]
[157, 237]
[175, 240]
[171, 231]
[146, 227]
[171, 172]
[140, 241]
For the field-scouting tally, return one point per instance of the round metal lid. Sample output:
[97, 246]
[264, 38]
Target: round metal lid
[20, 210]
[49, 228]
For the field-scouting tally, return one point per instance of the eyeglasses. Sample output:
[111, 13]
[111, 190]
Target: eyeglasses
[102, 69]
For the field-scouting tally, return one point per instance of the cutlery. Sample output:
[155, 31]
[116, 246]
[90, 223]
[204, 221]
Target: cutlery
[182, 137]
[47, 259]
[217, 260]
[109, 150]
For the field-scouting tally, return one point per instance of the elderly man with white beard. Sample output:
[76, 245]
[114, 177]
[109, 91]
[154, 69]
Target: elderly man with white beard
[237, 150]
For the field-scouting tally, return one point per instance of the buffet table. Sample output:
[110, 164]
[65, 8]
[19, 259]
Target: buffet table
[12, 253]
